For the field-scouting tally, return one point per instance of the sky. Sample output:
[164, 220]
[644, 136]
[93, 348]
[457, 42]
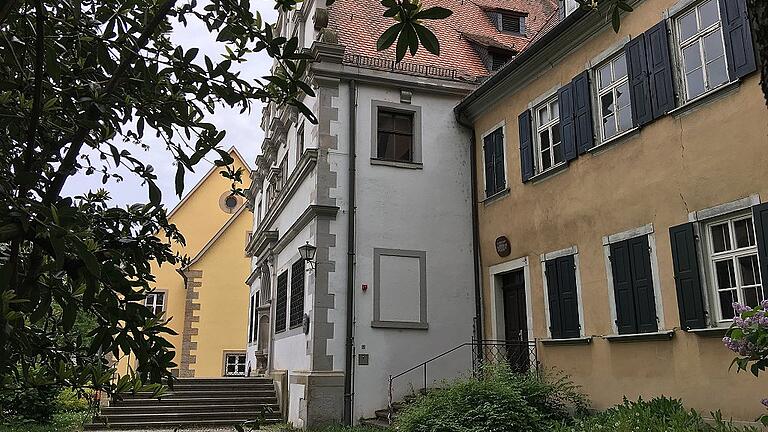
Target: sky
[243, 130]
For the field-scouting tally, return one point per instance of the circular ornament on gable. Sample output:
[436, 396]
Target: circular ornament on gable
[230, 203]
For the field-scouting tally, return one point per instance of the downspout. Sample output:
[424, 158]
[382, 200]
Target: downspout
[475, 235]
[350, 338]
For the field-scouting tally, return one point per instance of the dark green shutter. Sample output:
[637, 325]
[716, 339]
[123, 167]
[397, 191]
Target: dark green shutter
[690, 299]
[639, 88]
[642, 285]
[498, 158]
[526, 145]
[582, 110]
[660, 70]
[553, 291]
[739, 49]
[490, 178]
[569, 299]
[760, 217]
[567, 122]
[622, 288]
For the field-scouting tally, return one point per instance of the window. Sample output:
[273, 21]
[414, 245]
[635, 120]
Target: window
[562, 297]
[258, 213]
[299, 142]
[633, 286]
[493, 151]
[282, 302]
[548, 148]
[234, 364]
[733, 264]
[511, 22]
[395, 136]
[615, 107]
[702, 49]
[283, 179]
[253, 330]
[499, 59]
[155, 301]
[297, 293]
[567, 7]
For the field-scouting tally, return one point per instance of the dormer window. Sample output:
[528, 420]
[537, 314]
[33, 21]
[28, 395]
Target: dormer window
[509, 21]
[499, 59]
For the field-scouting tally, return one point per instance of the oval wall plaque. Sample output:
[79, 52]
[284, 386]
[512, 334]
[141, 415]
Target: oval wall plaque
[502, 246]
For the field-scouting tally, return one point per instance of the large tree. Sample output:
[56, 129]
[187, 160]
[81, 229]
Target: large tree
[80, 78]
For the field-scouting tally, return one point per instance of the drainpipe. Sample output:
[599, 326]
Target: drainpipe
[350, 339]
[475, 236]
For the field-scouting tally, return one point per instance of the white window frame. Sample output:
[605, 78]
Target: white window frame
[645, 230]
[235, 355]
[549, 126]
[154, 304]
[698, 38]
[573, 250]
[710, 257]
[503, 126]
[612, 88]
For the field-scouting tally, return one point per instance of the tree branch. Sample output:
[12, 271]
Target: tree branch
[78, 139]
[37, 103]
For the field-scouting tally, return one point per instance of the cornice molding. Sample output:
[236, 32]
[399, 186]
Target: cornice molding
[260, 241]
[311, 212]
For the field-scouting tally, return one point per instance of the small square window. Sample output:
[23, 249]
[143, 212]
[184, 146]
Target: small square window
[395, 136]
[234, 364]
[155, 301]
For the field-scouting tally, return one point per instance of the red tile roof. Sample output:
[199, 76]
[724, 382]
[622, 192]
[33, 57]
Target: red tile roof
[359, 23]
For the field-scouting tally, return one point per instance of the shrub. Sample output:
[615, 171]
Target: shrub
[499, 401]
[660, 414]
[30, 404]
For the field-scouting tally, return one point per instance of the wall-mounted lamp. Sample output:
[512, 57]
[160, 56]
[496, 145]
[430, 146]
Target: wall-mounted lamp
[307, 253]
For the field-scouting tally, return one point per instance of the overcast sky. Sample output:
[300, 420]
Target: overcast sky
[243, 130]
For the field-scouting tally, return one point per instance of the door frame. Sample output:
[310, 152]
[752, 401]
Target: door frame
[497, 300]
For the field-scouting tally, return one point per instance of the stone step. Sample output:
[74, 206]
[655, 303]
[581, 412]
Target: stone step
[376, 423]
[168, 425]
[200, 416]
[165, 408]
[224, 380]
[186, 387]
[194, 401]
[229, 394]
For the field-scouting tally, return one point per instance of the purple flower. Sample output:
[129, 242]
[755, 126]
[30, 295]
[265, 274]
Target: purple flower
[764, 402]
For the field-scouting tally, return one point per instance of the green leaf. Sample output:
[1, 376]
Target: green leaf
[86, 256]
[427, 39]
[389, 37]
[190, 55]
[436, 12]
[179, 179]
[616, 19]
[155, 196]
[624, 6]
[115, 154]
[402, 45]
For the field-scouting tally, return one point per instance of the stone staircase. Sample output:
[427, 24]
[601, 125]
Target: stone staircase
[194, 402]
[383, 418]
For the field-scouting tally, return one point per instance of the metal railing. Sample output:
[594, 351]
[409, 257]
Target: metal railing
[520, 356]
[391, 65]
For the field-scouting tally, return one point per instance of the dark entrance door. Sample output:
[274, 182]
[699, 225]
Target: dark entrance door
[515, 320]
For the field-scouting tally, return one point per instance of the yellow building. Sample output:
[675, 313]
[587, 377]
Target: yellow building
[208, 305]
[621, 184]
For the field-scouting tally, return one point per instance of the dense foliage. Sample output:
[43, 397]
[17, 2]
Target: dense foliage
[498, 401]
[660, 414]
[748, 338]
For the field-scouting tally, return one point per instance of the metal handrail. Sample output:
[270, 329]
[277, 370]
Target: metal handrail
[477, 359]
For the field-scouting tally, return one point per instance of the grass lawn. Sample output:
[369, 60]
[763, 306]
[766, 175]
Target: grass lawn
[62, 422]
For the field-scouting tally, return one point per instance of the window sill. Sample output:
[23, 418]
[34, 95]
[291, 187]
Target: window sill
[288, 333]
[613, 140]
[706, 98]
[397, 164]
[713, 332]
[495, 197]
[586, 340]
[639, 337]
[557, 169]
[402, 325]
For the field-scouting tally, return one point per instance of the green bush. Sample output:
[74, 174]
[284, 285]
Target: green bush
[499, 401]
[660, 414]
[31, 404]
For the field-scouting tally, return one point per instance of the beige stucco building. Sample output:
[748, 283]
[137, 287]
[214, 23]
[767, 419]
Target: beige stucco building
[619, 180]
[205, 300]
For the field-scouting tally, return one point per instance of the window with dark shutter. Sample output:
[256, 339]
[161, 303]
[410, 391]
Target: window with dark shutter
[760, 219]
[498, 60]
[690, 300]
[562, 297]
[567, 121]
[282, 302]
[582, 110]
[526, 145]
[739, 48]
[512, 22]
[659, 70]
[493, 154]
[297, 293]
[639, 87]
[633, 286]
